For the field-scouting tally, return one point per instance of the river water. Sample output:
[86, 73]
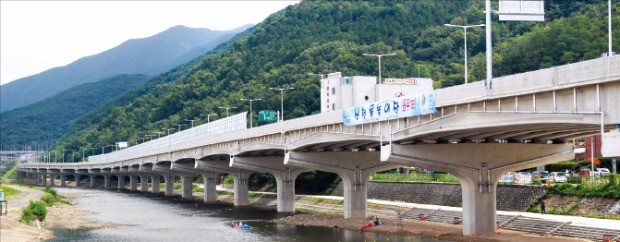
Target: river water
[147, 217]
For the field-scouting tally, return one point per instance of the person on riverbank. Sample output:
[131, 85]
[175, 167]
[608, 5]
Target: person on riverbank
[377, 221]
[542, 207]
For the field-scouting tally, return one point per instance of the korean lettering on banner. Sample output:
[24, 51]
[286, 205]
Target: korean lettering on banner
[415, 105]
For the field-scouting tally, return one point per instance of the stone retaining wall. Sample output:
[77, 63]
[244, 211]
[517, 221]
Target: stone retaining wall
[509, 197]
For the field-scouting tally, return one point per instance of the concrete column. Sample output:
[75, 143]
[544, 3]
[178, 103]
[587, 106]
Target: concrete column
[242, 180]
[121, 182]
[107, 182]
[186, 182]
[93, 182]
[286, 192]
[210, 194]
[144, 183]
[354, 184]
[62, 180]
[479, 204]
[133, 183]
[77, 180]
[169, 187]
[44, 177]
[613, 166]
[155, 184]
[40, 180]
[52, 181]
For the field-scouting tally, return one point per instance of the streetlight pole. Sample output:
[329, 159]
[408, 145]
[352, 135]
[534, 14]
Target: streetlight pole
[489, 45]
[251, 100]
[168, 130]
[379, 57]
[191, 121]
[281, 89]
[465, 27]
[609, 27]
[227, 108]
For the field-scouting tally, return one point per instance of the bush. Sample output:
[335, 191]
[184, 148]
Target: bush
[9, 192]
[34, 211]
[228, 180]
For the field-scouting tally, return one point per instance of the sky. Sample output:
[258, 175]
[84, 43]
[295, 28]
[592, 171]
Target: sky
[38, 35]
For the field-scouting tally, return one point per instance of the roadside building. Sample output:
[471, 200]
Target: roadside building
[339, 92]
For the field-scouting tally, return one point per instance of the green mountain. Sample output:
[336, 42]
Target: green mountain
[47, 120]
[326, 36]
[149, 56]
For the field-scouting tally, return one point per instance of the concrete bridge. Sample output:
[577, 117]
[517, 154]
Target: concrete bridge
[477, 135]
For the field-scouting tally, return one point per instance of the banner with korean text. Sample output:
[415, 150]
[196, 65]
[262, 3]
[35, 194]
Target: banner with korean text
[401, 107]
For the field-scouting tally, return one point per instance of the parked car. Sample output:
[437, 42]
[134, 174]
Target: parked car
[602, 171]
[543, 175]
[558, 177]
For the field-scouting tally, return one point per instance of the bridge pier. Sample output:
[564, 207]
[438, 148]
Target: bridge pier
[133, 183]
[210, 194]
[52, 179]
[107, 182]
[478, 167]
[77, 179]
[93, 182]
[286, 192]
[121, 182]
[241, 189]
[169, 184]
[144, 183]
[186, 184]
[62, 180]
[353, 167]
[42, 179]
[155, 184]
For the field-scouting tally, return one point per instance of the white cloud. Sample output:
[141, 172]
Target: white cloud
[36, 36]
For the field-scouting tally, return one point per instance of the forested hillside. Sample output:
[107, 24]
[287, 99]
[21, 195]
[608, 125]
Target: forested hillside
[43, 122]
[324, 37]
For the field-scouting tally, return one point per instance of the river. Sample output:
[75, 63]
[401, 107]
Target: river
[147, 217]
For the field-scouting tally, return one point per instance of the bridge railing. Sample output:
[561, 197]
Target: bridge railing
[605, 68]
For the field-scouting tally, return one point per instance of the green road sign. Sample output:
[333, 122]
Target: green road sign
[267, 116]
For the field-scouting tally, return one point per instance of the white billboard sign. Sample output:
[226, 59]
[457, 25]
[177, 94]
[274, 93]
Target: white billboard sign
[522, 10]
[611, 144]
[121, 145]
[414, 105]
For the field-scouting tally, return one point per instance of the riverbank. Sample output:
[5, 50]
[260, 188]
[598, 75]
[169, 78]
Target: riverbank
[58, 216]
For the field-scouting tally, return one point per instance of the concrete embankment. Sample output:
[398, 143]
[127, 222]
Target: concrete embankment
[509, 197]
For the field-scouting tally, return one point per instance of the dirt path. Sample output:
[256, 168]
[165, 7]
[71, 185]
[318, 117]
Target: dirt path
[10, 227]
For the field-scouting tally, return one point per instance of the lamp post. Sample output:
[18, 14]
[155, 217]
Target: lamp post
[227, 108]
[465, 27]
[191, 121]
[159, 134]
[281, 89]
[251, 100]
[168, 130]
[379, 57]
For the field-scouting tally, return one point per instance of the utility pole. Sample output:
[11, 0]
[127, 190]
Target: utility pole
[379, 57]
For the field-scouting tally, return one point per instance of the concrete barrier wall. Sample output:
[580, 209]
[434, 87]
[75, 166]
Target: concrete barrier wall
[509, 197]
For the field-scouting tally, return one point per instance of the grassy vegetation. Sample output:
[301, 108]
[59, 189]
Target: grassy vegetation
[219, 192]
[9, 192]
[397, 177]
[198, 189]
[8, 174]
[38, 210]
[609, 190]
